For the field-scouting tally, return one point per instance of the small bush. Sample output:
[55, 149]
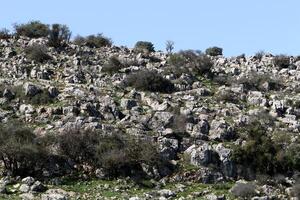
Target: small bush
[227, 96]
[144, 46]
[4, 34]
[259, 55]
[93, 41]
[115, 153]
[281, 61]
[20, 151]
[262, 154]
[59, 34]
[33, 29]
[37, 53]
[214, 51]
[112, 66]
[41, 98]
[149, 81]
[198, 62]
[260, 82]
[244, 190]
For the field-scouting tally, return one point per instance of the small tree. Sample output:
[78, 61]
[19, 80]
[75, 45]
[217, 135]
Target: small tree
[144, 46]
[4, 34]
[20, 151]
[214, 51]
[169, 46]
[58, 34]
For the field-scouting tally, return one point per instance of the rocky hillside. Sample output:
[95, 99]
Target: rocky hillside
[222, 128]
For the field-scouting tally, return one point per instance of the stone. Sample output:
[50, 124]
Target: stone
[31, 89]
[37, 187]
[202, 155]
[28, 180]
[128, 104]
[24, 188]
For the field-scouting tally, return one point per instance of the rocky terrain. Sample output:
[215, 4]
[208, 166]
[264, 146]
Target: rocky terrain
[226, 132]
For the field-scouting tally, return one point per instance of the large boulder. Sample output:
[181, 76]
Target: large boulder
[221, 130]
[202, 155]
[31, 89]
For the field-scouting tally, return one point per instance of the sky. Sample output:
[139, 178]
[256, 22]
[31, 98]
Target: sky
[238, 26]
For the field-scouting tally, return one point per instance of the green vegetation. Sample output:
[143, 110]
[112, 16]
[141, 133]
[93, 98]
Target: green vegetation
[33, 29]
[20, 151]
[93, 41]
[144, 46]
[112, 66]
[115, 153]
[4, 34]
[192, 62]
[214, 51]
[58, 34]
[37, 53]
[281, 61]
[149, 81]
[262, 154]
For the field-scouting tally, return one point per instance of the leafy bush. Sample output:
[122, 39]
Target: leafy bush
[281, 61]
[260, 82]
[244, 190]
[37, 53]
[42, 98]
[227, 96]
[262, 154]
[114, 153]
[259, 55]
[144, 46]
[58, 34]
[20, 151]
[149, 81]
[193, 61]
[4, 34]
[112, 66]
[33, 29]
[93, 41]
[198, 62]
[214, 51]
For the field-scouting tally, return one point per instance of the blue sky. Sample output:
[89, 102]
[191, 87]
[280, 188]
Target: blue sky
[238, 26]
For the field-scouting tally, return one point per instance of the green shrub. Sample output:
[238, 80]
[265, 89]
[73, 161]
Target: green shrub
[42, 98]
[281, 61]
[33, 29]
[144, 46]
[227, 96]
[198, 62]
[20, 151]
[149, 81]
[37, 53]
[4, 34]
[115, 153]
[260, 82]
[112, 66]
[59, 34]
[93, 41]
[262, 154]
[214, 51]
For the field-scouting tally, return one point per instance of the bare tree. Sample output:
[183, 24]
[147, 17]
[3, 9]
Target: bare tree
[169, 46]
